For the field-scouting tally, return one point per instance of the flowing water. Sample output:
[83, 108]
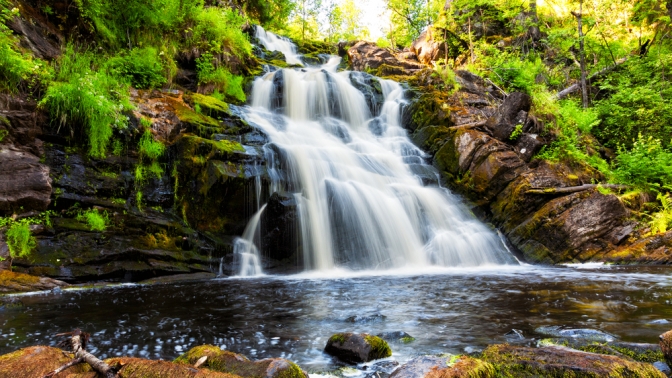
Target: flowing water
[446, 310]
[350, 167]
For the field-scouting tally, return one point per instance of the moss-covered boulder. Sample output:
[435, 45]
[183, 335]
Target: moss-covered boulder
[666, 346]
[553, 361]
[14, 282]
[357, 347]
[233, 363]
[141, 368]
[38, 361]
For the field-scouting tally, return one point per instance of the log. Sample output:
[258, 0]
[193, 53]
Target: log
[574, 189]
[469, 125]
[574, 87]
[97, 364]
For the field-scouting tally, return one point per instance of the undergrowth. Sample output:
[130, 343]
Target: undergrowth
[96, 220]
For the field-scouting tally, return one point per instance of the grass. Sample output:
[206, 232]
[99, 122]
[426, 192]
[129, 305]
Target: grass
[141, 67]
[150, 148]
[220, 77]
[96, 220]
[19, 240]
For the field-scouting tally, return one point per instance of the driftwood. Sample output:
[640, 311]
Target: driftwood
[575, 87]
[78, 342]
[574, 189]
[469, 125]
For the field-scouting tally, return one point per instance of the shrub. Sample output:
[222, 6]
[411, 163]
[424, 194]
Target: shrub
[647, 165]
[90, 101]
[150, 148]
[19, 240]
[95, 220]
[229, 84]
[662, 220]
[217, 29]
[142, 68]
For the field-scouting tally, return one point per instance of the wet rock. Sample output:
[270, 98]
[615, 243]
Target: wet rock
[656, 249]
[554, 361]
[396, 336]
[370, 87]
[576, 333]
[666, 346]
[280, 222]
[445, 367]
[14, 282]
[24, 181]
[512, 113]
[368, 318]
[203, 276]
[419, 367]
[237, 364]
[357, 347]
[663, 367]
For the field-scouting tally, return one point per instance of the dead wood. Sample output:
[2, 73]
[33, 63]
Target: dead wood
[574, 189]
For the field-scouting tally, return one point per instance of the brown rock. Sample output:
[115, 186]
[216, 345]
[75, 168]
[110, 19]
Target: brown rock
[369, 56]
[666, 346]
[24, 181]
[37, 361]
[511, 113]
[13, 282]
[427, 49]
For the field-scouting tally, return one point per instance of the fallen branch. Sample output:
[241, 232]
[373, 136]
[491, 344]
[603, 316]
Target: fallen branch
[574, 189]
[78, 342]
[70, 364]
[469, 125]
[575, 87]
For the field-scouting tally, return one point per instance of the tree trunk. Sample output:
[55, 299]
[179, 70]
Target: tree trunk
[582, 53]
[574, 87]
[574, 189]
[535, 32]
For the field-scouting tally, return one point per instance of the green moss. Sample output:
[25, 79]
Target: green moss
[407, 339]
[19, 240]
[189, 116]
[338, 338]
[210, 105]
[95, 220]
[379, 347]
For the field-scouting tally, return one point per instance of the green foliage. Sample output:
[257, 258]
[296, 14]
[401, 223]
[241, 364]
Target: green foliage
[639, 101]
[217, 30]
[19, 240]
[408, 18]
[517, 132]
[141, 67]
[94, 219]
[648, 165]
[87, 99]
[229, 84]
[3, 134]
[150, 148]
[662, 220]
[572, 142]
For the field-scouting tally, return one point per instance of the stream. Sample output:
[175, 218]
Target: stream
[446, 310]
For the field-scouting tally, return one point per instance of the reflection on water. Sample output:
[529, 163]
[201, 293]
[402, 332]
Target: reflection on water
[446, 311]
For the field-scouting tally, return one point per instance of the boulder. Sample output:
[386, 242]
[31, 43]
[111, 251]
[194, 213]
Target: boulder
[357, 347]
[14, 282]
[25, 184]
[527, 145]
[367, 56]
[511, 113]
[237, 364]
[555, 361]
[666, 346]
[38, 361]
[426, 49]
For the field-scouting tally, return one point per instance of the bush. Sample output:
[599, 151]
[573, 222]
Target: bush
[150, 148]
[142, 68]
[91, 100]
[647, 165]
[229, 84]
[19, 240]
[95, 220]
[217, 30]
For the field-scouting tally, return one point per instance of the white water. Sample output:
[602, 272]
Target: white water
[273, 42]
[360, 205]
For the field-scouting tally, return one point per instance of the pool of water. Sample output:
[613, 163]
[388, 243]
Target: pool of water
[447, 311]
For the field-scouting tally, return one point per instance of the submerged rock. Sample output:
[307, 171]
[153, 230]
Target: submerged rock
[233, 363]
[396, 336]
[576, 333]
[357, 347]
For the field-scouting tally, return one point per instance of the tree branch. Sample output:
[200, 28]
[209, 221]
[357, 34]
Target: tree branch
[574, 87]
[574, 189]
[70, 364]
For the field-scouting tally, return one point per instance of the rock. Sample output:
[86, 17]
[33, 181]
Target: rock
[511, 113]
[371, 318]
[554, 361]
[138, 367]
[232, 363]
[13, 282]
[576, 333]
[369, 85]
[666, 346]
[527, 145]
[191, 277]
[396, 336]
[280, 221]
[38, 361]
[357, 347]
[426, 49]
[419, 367]
[24, 181]
[36, 33]
[366, 56]
[656, 249]
[663, 367]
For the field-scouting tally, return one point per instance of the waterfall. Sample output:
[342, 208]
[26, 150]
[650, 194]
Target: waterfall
[350, 166]
[273, 42]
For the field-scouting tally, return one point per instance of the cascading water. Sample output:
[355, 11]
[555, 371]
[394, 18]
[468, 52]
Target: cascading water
[351, 171]
[273, 42]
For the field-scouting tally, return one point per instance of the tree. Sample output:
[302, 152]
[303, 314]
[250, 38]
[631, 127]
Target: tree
[352, 21]
[410, 17]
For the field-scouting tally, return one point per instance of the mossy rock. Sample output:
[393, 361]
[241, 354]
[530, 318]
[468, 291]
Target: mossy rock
[357, 347]
[140, 368]
[237, 364]
[209, 105]
[38, 361]
[465, 367]
[14, 282]
[666, 346]
[552, 361]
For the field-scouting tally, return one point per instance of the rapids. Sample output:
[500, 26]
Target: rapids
[351, 169]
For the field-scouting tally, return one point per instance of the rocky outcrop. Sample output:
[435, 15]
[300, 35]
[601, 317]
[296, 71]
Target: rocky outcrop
[13, 282]
[427, 49]
[25, 184]
[368, 57]
[357, 347]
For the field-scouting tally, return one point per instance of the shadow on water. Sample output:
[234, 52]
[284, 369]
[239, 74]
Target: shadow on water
[292, 317]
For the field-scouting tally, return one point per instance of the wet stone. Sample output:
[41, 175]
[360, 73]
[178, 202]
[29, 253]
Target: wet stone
[419, 367]
[576, 333]
[371, 318]
[357, 347]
